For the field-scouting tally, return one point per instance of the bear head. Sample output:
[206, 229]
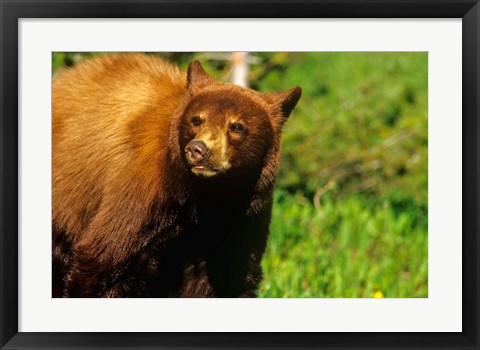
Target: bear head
[225, 129]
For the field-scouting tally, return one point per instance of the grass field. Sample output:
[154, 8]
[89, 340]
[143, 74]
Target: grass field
[351, 202]
[352, 247]
[351, 208]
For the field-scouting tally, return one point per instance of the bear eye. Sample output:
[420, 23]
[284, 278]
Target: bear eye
[196, 121]
[237, 128]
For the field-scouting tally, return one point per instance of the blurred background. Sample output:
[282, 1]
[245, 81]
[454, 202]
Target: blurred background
[351, 201]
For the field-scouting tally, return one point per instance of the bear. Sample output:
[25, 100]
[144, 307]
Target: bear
[162, 182]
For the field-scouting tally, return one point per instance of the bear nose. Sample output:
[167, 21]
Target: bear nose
[196, 150]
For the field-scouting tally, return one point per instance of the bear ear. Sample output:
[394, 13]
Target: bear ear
[285, 101]
[197, 77]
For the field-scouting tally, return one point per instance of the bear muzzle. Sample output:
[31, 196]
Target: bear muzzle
[196, 151]
[204, 160]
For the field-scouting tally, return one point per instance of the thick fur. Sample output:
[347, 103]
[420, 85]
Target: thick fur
[130, 216]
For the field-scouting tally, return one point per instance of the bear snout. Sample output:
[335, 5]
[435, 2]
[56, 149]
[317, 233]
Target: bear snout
[196, 151]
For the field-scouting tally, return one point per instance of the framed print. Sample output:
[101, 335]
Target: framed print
[146, 201]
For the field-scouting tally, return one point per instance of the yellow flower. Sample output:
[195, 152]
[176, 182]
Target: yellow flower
[378, 294]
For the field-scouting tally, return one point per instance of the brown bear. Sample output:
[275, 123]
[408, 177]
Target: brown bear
[162, 181]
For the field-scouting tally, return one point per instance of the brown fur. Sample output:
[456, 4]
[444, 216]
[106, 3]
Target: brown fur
[129, 216]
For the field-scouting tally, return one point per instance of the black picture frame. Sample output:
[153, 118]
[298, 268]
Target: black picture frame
[11, 11]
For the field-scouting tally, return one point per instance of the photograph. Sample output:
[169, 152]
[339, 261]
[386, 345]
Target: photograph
[239, 174]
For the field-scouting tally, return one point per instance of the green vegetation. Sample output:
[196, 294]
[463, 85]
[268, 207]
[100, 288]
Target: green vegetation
[350, 215]
[351, 204]
[352, 247]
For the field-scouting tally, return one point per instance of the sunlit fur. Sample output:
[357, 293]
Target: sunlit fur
[130, 216]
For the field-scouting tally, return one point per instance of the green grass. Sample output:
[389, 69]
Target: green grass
[357, 146]
[346, 248]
